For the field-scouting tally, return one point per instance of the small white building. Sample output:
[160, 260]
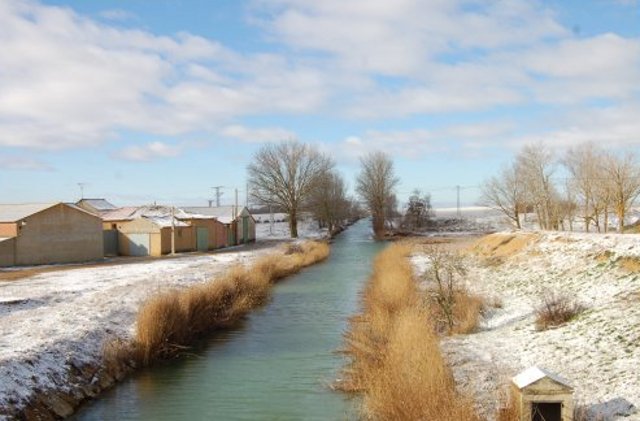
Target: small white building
[543, 396]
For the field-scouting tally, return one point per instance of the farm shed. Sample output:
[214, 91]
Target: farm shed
[151, 236]
[110, 221]
[210, 234]
[239, 223]
[35, 234]
[543, 396]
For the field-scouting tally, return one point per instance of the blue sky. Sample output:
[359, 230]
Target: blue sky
[161, 100]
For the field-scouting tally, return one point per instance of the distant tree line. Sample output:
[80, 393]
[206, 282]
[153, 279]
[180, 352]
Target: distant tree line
[599, 183]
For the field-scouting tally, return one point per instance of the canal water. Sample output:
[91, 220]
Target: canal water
[276, 366]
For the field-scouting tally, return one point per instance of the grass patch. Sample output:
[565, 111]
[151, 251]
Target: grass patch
[556, 309]
[170, 322]
[395, 359]
[630, 263]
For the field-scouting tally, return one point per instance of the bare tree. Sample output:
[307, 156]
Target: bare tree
[623, 181]
[535, 165]
[328, 200]
[505, 193]
[584, 164]
[283, 174]
[419, 210]
[375, 185]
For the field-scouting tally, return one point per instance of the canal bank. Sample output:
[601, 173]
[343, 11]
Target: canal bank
[277, 365]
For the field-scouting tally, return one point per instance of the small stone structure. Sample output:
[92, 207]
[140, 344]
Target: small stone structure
[543, 396]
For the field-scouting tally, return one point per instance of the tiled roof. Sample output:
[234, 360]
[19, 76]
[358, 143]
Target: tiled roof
[98, 204]
[120, 214]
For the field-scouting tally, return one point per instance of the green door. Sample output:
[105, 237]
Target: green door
[245, 229]
[202, 239]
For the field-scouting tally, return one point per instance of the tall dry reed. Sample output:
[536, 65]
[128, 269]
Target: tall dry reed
[171, 321]
[395, 359]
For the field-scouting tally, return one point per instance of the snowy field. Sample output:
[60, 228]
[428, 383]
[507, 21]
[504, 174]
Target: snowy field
[599, 352]
[307, 229]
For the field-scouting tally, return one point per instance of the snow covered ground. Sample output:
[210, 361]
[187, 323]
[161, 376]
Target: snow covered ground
[56, 319]
[599, 352]
[307, 229]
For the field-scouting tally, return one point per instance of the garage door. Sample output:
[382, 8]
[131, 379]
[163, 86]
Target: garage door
[139, 244]
[202, 239]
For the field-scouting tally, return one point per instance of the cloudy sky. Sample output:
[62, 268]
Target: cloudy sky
[161, 100]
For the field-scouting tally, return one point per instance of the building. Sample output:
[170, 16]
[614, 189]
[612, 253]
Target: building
[543, 396]
[239, 223]
[210, 234]
[151, 236]
[36, 234]
[110, 221]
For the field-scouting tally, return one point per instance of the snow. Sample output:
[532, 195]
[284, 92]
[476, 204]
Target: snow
[54, 319]
[533, 374]
[599, 351]
[307, 229]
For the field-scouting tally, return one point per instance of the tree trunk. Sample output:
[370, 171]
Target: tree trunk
[293, 223]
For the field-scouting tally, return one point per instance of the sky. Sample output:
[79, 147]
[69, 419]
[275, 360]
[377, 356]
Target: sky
[144, 101]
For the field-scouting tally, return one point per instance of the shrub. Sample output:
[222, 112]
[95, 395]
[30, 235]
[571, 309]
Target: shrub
[556, 309]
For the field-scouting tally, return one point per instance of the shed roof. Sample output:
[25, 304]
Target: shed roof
[224, 214]
[119, 214]
[534, 374]
[14, 213]
[100, 205]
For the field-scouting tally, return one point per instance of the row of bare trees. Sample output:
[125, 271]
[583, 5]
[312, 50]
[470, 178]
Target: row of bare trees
[600, 183]
[295, 176]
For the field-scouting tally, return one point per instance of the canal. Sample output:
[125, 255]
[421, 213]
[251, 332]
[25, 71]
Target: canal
[276, 366]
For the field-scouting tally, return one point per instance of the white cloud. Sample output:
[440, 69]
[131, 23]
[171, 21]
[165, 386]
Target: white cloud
[23, 163]
[117, 15]
[257, 135]
[148, 152]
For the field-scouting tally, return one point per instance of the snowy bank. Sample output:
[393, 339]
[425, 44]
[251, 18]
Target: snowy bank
[599, 351]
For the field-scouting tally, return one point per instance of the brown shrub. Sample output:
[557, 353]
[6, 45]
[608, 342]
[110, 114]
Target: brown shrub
[630, 263]
[395, 359]
[508, 409]
[556, 309]
[168, 322]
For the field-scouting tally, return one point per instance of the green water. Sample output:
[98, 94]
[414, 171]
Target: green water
[276, 366]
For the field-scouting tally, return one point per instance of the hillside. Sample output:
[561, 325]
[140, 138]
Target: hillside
[599, 351]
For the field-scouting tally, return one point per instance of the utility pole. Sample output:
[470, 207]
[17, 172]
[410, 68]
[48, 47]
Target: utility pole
[459, 215]
[218, 194]
[246, 196]
[173, 230]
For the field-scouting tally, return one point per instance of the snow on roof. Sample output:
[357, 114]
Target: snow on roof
[120, 214]
[5, 238]
[165, 221]
[98, 204]
[224, 214]
[533, 374]
[13, 213]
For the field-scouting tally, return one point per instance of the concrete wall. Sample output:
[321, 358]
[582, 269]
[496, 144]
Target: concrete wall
[60, 234]
[217, 232]
[8, 229]
[7, 252]
[139, 226]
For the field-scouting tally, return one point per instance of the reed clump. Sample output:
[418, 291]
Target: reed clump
[395, 359]
[168, 323]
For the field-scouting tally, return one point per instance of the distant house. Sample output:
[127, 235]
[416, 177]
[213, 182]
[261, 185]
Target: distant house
[95, 206]
[210, 234]
[110, 221]
[239, 223]
[35, 234]
[151, 236]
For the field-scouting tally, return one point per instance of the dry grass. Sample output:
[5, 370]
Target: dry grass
[169, 322]
[556, 309]
[496, 247]
[630, 263]
[508, 409]
[395, 357]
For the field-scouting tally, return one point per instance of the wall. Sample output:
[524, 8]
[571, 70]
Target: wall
[60, 234]
[547, 390]
[139, 226]
[7, 252]
[184, 237]
[8, 229]
[216, 232]
[252, 227]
